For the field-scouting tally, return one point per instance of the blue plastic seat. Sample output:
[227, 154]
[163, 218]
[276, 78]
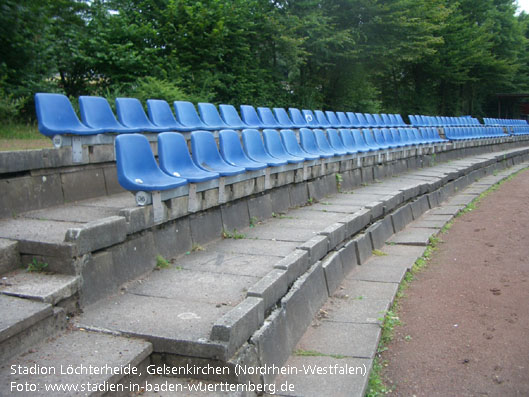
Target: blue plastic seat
[282, 118]
[297, 118]
[343, 119]
[324, 145]
[387, 138]
[275, 147]
[255, 149]
[378, 120]
[396, 138]
[336, 142]
[232, 151]
[334, 121]
[206, 155]
[362, 121]
[268, 118]
[379, 139]
[322, 119]
[250, 117]
[175, 159]
[187, 115]
[370, 139]
[348, 141]
[355, 123]
[56, 116]
[96, 113]
[310, 118]
[292, 145]
[231, 117]
[387, 120]
[162, 116]
[136, 167]
[310, 145]
[131, 114]
[361, 142]
[211, 117]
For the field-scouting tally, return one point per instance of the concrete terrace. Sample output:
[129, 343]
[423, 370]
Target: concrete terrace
[285, 278]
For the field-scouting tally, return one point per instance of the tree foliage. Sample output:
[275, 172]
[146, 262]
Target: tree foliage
[404, 56]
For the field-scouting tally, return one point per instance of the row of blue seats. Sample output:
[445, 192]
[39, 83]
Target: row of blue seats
[505, 122]
[467, 133]
[138, 171]
[56, 116]
[442, 121]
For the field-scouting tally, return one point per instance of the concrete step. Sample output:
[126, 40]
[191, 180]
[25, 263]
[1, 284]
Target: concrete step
[78, 363]
[9, 255]
[23, 323]
[55, 289]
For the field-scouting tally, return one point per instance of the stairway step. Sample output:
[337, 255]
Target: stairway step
[9, 255]
[24, 322]
[100, 363]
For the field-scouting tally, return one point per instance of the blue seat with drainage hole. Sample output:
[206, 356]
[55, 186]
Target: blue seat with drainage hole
[361, 142]
[336, 142]
[310, 145]
[206, 155]
[323, 143]
[348, 141]
[162, 116]
[250, 117]
[232, 151]
[343, 119]
[297, 118]
[56, 116]
[268, 118]
[97, 113]
[136, 167]
[274, 146]
[175, 159]
[231, 117]
[283, 119]
[292, 145]
[322, 119]
[187, 115]
[255, 149]
[211, 117]
[131, 114]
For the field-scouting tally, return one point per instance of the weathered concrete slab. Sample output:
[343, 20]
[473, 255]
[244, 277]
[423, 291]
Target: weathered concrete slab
[9, 255]
[35, 230]
[460, 199]
[381, 269]
[98, 234]
[307, 383]
[401, 217]
[419, 206]
[19, 314]
[341, 339]
[433, 224]
[270, 231]
[343, 308]
[356, 222]
[47, 288]
[413, 236]
[333, 270]
[235, 215]
[446, 210]
[185, 331]
[348, 257]
[335, 233]
[380, 231]
[363, 248]
[247, 246]
[73, 213]
[75, 349]
[197, 286]
[317, 246]
[271, 288]
[295, 264]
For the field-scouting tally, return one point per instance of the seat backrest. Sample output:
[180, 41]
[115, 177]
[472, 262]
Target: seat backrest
[55, 115]
[310, 118]
[291, 143]
[210, 116]
[334, 122]
[335, 140]
[131, 114]
[173, 153]
[161, 115]
[370, 119]
[322, 141]
[386, 119]
[231, 117]
[282, 118]
[204, 148]
[369, 137]
[297, 118]
[359, 139]
[97, 113]
[378, 119]
[187, 115]
[253, 143]
[231, 147]
[250, 117]
[362, 121]
[343, 119]
[353, 119]
[268, 118]
[322, 119]
[308, 141]
[347, 138]
[273, 143]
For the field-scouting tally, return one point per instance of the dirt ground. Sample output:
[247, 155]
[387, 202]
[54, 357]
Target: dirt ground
[465, 318]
